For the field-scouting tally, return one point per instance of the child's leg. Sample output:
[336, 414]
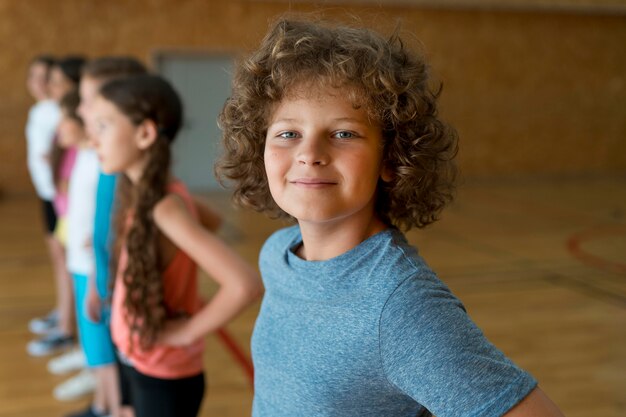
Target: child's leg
[99, 352]
[50, 322]
[127, 411]
[98, 402]
[125, 389]
[60, 336]
[65, 297]
[155, 397]
[109, 379]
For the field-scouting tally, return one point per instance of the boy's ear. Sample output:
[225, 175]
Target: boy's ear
[386, 174]
[146, 134]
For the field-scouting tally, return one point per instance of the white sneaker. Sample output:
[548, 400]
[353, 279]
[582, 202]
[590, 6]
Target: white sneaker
[44, 325]
[81, 384]
[53, 342]
[73, 360]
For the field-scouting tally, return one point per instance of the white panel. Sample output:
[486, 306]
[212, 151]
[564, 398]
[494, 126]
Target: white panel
[203, 81]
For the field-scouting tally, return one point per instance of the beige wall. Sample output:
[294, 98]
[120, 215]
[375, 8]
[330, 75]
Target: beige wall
[530, 93]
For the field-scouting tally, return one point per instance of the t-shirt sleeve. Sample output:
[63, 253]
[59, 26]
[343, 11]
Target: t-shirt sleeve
[44, 124]
[434, 353]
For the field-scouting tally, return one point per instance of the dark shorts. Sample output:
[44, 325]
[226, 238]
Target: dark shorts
[49, 216]
[156, 397]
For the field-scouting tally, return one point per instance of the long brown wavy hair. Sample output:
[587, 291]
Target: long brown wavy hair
[140, 98]
[382, 75]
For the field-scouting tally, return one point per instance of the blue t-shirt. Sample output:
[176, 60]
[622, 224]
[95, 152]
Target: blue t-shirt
[372, 332]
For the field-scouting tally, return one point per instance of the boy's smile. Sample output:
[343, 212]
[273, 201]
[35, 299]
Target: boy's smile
[313, 182]
[323, 157]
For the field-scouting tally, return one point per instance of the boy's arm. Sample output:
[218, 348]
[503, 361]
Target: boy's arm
[536, 404]
[208, 217]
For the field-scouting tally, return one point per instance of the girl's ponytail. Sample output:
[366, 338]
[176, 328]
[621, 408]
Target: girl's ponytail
[142, 277]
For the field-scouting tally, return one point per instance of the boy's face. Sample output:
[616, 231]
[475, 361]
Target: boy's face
[323, 158]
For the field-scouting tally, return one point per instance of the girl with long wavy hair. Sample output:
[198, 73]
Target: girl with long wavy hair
[158, 321]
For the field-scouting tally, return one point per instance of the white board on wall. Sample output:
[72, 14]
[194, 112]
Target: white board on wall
[203, 81]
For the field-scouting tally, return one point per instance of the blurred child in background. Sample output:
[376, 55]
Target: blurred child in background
[59, 334]
[43, 119]
[94, 337]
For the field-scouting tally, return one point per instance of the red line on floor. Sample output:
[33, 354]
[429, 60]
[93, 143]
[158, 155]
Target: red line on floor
[241, 358]
[574, 244]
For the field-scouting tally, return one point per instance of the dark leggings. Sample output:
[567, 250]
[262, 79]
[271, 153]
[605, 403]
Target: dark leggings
[156, 397]
[49, 216]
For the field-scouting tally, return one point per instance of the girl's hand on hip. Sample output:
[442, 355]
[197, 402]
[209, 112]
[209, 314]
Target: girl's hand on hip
[176, 332]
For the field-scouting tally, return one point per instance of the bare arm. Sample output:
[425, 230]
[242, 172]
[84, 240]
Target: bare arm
[93, 303]
[239, 283]
[209, 218]
[536, 404]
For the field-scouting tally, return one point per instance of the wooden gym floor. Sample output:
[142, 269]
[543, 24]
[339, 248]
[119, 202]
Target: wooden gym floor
[540, 265]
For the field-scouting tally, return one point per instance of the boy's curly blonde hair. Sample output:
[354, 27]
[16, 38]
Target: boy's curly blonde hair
[379, 74]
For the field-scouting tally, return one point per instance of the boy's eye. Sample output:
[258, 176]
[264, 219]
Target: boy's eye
[288, 135]
[344, 134]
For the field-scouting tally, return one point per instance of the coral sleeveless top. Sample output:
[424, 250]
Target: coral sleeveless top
[180, 296]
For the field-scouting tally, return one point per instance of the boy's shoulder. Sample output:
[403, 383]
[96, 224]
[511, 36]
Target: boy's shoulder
[392, 248]
[282, 239]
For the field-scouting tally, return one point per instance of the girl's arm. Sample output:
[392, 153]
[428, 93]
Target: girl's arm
[208, 217]
[93, 303]
[536, 404]
[239, 283]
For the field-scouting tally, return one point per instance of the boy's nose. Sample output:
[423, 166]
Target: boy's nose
[312, 152]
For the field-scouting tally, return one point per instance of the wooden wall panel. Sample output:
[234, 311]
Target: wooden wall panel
[531, 93]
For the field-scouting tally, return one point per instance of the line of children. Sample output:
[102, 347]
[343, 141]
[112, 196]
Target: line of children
[58, 329]
[175, 307]
[336, 127]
